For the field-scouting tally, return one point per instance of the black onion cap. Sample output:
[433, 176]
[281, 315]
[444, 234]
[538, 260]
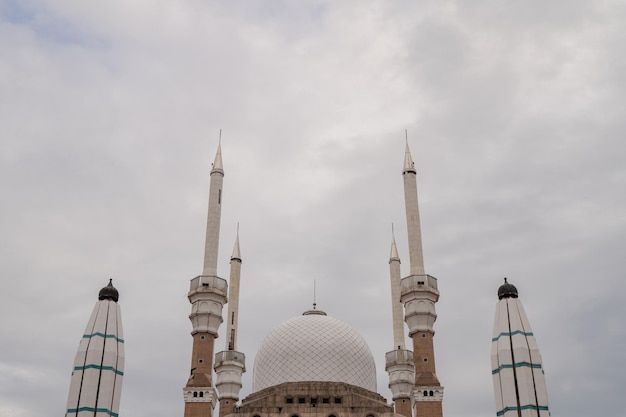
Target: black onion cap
[109, 292]
[507, 290]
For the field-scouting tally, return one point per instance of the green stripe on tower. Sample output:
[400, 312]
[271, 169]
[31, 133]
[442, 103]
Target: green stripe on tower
[495, 339]
[523, 407]
[103, 368]
[106, 336]
[517, 365]
[91, 410]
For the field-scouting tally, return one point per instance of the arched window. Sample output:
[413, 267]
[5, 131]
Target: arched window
[195, 394]
[201, 394]
[431, 393]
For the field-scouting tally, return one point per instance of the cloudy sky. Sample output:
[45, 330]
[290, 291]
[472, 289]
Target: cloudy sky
[110, 117]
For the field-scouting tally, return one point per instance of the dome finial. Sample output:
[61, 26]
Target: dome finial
[109, 292]
[507, 290]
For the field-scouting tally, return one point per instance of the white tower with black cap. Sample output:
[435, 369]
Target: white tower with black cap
[518, 379]
[96, 382]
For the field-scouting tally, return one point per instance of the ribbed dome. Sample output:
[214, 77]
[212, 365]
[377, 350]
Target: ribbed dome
[314, 347]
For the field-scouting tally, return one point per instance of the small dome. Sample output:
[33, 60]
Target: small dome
[507, 290]
[109, 292]
[314, 347]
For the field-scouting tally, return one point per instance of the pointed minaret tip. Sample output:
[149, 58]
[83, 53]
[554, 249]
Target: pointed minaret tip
[236, 252]
[409, 165]
[217, 164]
[394, 249]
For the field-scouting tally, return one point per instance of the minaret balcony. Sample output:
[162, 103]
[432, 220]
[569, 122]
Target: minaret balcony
[230, 357]
[229, 366]
[401, 368]
[419, 281]
[399, 357]
[208, 283]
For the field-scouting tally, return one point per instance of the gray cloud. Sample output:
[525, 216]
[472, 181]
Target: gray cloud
[110, 117]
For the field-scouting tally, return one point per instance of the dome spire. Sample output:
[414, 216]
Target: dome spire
[314, 310]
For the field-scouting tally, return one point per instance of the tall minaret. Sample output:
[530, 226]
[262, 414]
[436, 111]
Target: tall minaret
[419, 294]
[207, 295]
[231, 364]
[96, 383]
[518, 379]
[399, 363]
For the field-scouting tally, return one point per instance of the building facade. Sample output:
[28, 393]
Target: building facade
[313, 364]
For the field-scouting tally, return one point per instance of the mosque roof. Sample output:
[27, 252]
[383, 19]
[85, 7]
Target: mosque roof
[314, 347]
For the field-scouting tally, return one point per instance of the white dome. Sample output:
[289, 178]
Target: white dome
[314, 347]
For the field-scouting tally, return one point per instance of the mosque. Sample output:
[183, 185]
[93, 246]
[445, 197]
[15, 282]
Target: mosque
[312, 364]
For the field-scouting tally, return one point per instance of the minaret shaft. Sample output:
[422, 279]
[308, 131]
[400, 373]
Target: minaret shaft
[233, 299]
[213, 223]
[231, 364]
[399, 362]
[396, 305]
[416, 257]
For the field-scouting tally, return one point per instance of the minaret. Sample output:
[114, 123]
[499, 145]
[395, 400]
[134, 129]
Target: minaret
[96, 383]
[518, 379]
[419, 294]
[399, 363]
[207, 295]
[231, 364]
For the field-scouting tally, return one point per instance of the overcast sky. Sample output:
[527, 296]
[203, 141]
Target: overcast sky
[109, 121]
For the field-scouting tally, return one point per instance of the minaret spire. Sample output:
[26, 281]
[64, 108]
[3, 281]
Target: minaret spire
[231, 364]
[396, 305]
[233, 298]
[207, 295]
[419, 295]
[416, 257]
[399, 362]
[214, 214]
